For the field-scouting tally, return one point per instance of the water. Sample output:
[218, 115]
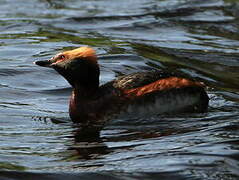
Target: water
[195, 37]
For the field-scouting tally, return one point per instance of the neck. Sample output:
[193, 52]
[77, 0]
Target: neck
[84, 91]
[79, 101]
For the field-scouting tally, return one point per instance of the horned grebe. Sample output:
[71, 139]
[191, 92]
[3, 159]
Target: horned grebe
[154, 92]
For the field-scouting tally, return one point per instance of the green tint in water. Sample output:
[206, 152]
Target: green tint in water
[196, 37]
[9, 166]
[227, 77]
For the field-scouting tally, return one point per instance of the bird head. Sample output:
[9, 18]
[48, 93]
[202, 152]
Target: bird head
[78, 66]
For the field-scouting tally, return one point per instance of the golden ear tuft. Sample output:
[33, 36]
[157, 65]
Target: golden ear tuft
[85, 52]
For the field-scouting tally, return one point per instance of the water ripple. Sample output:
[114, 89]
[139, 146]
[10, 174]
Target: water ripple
[196, 38]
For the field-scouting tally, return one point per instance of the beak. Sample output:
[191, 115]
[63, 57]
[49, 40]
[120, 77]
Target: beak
[46, 63]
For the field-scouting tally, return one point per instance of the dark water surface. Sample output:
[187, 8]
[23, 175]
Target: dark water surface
[197, 37]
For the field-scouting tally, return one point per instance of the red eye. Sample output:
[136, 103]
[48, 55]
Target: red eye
[62, 57]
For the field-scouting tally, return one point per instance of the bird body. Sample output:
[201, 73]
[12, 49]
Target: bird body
[136, 94]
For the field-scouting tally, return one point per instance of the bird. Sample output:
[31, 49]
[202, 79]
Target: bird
[136, 94]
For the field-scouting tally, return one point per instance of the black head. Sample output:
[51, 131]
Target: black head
[79, 67]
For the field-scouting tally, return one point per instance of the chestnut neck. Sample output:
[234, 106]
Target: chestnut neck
[84, 92]
[79, 101]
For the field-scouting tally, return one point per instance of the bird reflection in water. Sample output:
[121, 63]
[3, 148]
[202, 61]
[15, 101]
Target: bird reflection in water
[87, 143]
